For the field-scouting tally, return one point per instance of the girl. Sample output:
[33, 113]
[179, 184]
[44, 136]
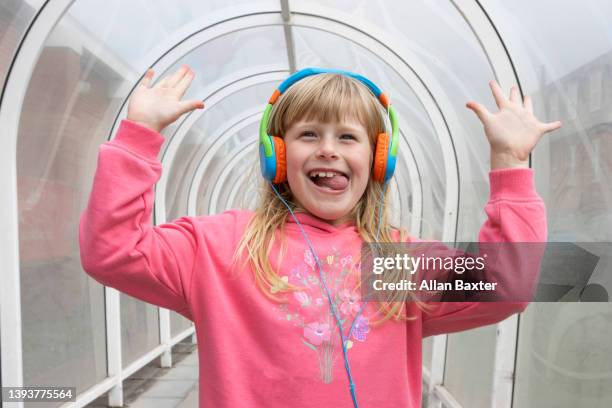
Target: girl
[269, 291]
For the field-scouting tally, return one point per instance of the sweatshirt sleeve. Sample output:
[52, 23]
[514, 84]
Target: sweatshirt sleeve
[515, 213]
[119, 246]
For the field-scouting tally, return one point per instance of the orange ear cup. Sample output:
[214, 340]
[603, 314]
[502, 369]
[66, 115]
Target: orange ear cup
[281, 160]
[380, 157]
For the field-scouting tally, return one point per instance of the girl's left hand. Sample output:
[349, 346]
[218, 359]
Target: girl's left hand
[513, 131]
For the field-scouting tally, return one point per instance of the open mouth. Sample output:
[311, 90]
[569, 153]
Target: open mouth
[333, 181]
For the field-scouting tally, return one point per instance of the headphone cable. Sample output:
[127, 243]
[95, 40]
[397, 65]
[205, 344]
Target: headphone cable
[331, 302]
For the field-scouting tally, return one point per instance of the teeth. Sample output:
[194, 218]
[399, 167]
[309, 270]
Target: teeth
[322, 174]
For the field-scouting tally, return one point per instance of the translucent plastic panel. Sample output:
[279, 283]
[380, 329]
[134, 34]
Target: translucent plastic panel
[64, 338]
[242, 159]
[15, 16]
[468, 373]
[242, 184]
[139, 328]
[564, 356]
[113, 22]
[253, 50]
[401, 197]
[204, 137]
[62, 308]
[215, 186]
[569, 83]
[440, 46]
[178, 323]
[246, 196]
[84, 72]
[237, 185]
[261, 49]
[318, 48]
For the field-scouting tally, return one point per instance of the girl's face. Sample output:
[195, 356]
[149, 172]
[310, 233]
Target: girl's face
[328, 166]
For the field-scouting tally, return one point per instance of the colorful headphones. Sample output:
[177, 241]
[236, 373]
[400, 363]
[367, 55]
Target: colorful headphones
[272, 148]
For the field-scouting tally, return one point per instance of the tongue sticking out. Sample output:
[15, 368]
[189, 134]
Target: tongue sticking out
[338, 182]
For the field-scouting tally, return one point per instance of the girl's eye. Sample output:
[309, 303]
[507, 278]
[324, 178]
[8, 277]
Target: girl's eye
[347, 136]
[308, 134]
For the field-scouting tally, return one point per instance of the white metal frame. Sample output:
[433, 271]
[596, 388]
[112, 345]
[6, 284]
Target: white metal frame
[243, 22]
[417, 186]
[237, 155]
[199, 32]
[414, 214]
[507, 331]
[416, 75]
[115, 382]
[286, 14]
[239, 152]
[16, 86]
[217, 92]
[221, 89]
[504, 362]
[240, 184]
[435, 376]
[501, 64]
[208, 29]
[239, 122]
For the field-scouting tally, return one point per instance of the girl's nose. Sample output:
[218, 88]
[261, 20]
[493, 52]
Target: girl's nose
[327, 149]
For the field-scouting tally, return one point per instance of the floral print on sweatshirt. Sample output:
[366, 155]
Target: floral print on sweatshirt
[308, 308]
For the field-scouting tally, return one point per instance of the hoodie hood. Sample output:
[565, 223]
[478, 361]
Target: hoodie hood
[317, 224]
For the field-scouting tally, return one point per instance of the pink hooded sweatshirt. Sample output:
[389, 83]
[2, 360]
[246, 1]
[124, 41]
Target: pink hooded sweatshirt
[254, 352]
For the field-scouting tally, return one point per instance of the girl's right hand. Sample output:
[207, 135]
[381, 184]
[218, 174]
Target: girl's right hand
[158, 106]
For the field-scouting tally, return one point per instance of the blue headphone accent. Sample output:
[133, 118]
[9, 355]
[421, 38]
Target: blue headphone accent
[303, 73]
[267, 164]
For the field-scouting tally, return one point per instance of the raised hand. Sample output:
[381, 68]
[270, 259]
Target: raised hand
[513, 131]
[158, 106]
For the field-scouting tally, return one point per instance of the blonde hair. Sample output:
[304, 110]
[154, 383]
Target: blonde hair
[324, 97]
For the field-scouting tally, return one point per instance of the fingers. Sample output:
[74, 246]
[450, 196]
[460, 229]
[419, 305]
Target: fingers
[146, 79]
[514, 95]
[188, 106]
[528, 104]
[479, 110]
[171, 80]
[175, 78]
[183, 84]
[549, 127]
[498, 94]
[500, 99]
